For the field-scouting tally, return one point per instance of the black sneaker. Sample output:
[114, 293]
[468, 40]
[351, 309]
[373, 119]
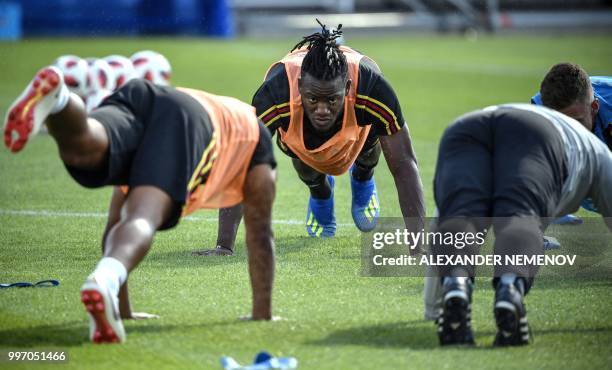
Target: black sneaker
[455, 319]
[510, 316]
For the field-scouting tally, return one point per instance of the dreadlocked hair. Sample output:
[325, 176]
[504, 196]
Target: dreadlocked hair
[324, 60]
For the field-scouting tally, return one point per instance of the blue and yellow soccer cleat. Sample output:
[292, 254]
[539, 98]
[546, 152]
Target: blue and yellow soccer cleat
[365, 208]
[320, 218]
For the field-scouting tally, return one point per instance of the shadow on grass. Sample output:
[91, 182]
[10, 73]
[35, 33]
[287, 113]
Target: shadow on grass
[150, 326]
[184, 258]
[75, 334]
[62, 335]
[417, 334]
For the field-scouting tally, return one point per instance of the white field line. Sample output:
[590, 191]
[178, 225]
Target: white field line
[55, 214]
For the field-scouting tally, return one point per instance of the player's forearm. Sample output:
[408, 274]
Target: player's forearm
[402, 163]
[261, 269]
[412, 203]
[410, 195]
[259, 196]
[229, 221]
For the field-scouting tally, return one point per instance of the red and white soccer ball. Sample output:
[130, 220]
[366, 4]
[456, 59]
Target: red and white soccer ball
[123, 68]
[152, 66]
[75, 73]
[100, 76]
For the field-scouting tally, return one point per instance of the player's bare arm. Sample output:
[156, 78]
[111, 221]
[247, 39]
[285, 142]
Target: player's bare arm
[259, 192]
[229, 221]
[402, 163]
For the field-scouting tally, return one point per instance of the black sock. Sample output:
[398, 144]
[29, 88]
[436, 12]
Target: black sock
[362, 174]
[321, 191]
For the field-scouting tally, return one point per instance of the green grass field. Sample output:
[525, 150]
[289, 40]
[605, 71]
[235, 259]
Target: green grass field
[334, 318]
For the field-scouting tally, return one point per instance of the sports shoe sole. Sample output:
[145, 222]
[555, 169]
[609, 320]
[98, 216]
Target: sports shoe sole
[510, 324]
[26, 114]
[105, 326]
[456, 318]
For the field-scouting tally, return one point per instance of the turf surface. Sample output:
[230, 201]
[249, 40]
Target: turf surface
[334, 318]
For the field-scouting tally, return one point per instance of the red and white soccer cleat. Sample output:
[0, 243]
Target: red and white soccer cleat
[105, 324]
[29, 111]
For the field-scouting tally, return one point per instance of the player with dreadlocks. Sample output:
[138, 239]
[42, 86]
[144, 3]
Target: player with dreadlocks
[334, 112]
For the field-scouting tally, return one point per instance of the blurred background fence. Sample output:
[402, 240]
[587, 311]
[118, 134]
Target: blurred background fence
[268, 18]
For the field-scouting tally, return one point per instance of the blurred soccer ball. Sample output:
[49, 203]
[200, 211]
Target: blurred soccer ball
[75, 73]
[100, 76]
[123, 68]
[152, 66]
[94, 99]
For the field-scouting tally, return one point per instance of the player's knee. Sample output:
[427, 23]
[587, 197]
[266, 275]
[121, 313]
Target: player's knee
[369, 159]
[309, 176]
[139, 227]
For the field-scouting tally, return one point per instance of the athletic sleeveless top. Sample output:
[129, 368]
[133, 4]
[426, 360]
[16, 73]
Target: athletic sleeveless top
[337, 154]
[226, 160]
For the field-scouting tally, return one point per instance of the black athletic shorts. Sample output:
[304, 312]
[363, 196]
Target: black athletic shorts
[501, 163]
[156, 137]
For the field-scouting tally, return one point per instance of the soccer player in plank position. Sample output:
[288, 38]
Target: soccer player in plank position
[334, 111]
[516, 166]
[559, 90]
[568, 89]
[175, 151]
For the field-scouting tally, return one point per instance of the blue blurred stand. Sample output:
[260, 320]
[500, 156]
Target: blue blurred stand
[10, 21]
[126, 17]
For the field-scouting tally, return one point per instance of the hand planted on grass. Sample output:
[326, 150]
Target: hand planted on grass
[218, 251]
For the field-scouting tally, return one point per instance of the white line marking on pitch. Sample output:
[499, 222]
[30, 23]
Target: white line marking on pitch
[52, 214]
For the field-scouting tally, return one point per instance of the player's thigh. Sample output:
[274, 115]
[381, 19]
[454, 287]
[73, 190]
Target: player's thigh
[306, 173]
[148, 203]
[369, 156]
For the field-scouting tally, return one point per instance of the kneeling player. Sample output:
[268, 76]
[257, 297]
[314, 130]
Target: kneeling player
[175, 151]
[520, 165]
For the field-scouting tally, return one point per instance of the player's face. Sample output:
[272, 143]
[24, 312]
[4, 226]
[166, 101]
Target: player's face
[323, 101]
[583, 112]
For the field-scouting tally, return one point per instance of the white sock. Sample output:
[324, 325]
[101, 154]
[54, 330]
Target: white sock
[110, 273]
[63, 97]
